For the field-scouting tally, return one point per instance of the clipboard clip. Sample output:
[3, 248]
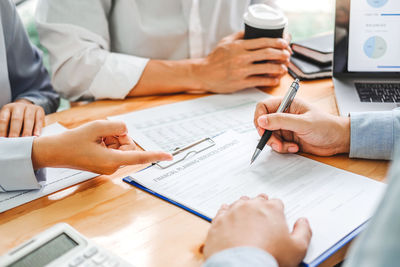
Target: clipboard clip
[181, 154]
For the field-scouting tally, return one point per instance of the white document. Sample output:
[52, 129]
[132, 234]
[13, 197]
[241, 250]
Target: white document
[177, 125]
[335, 201]
[56, 179]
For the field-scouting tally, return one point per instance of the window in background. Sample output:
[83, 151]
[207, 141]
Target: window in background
[308, 17]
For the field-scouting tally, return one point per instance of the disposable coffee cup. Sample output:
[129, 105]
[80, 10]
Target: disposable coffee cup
[263, 21]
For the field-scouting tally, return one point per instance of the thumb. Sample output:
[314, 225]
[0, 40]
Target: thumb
[106, 128]
[302, 234]
[283, 121]
[139, 157]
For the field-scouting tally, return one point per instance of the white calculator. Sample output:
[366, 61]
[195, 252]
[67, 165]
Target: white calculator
[61, 246]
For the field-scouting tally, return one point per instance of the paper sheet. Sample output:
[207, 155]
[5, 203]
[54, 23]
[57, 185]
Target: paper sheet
[56, 179]
[176, 125]
[335, 201]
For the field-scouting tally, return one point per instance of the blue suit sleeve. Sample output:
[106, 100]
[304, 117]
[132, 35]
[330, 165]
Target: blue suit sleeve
[374, 134]
[28, 77]
[241, 257]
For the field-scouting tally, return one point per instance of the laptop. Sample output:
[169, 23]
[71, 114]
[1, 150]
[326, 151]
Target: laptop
[366, 64]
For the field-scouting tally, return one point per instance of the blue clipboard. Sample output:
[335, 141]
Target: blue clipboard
[316, 262]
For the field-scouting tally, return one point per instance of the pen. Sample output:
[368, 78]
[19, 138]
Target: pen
[286, 102]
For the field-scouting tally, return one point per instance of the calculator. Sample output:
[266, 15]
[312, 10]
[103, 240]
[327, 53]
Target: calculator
[61, 246]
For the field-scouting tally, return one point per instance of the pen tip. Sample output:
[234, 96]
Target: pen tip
[255, 155]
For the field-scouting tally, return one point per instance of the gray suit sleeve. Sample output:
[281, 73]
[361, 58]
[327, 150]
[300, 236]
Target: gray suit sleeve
[28, 77]
[241, 257]
[379, 244]
[374, 134]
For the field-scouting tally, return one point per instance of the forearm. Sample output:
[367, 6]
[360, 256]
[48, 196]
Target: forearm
[45, 152]
[168, 77]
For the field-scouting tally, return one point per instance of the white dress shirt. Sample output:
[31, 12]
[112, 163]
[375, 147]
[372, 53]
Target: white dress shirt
[16, 165]
[100, 48]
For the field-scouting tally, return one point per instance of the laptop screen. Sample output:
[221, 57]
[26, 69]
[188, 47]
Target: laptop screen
[367, 37]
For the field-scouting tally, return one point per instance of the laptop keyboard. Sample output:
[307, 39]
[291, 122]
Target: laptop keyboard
[379, 92]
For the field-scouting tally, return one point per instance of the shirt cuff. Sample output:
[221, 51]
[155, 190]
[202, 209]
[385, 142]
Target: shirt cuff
[241, 257]
[117, 77]
[372, 135]
[16, 167]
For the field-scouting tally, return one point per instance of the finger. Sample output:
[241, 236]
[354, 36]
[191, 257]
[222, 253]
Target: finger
[262, 196]
[111, 142]
[29, 120]
[280, 146]
[5, 116]
[224, 208]
[130, 147]
[125, 140]
[17, 118]
[266, 68]
[277, 203]
[302, 233]
[245, 198]
[260, 43]
[107, 128]
[284, 121]
[260, 131]
[240, 201]
[233, 37]
[270, 54]
[258, 81]
[39, 121]
[272, 104]
[289, 49]
[261, 109]
[138, 157]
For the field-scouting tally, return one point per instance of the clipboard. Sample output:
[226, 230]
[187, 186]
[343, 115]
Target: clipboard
[201, 146]
[184, 153]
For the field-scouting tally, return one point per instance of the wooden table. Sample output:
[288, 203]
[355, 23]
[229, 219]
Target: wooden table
[133, 224]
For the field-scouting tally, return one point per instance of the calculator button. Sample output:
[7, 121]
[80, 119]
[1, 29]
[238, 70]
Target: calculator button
[90, 252]
[77, 261]
[99, 258]
[111, 263]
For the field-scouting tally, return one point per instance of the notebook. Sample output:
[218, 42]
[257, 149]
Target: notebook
[318, 49]
[304, 70]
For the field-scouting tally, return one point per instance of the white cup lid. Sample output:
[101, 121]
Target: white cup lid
[264, 17]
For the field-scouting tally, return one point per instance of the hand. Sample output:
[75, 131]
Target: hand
[230, 67]
[303, 128]
[260, 223]
[99, 147]
[21, 118]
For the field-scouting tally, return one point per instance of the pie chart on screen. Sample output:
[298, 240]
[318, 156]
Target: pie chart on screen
[375, 47]
[377, 3]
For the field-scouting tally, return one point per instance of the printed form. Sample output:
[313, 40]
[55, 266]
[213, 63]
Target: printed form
[335, 201]
[56, 179]
[177, 125]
